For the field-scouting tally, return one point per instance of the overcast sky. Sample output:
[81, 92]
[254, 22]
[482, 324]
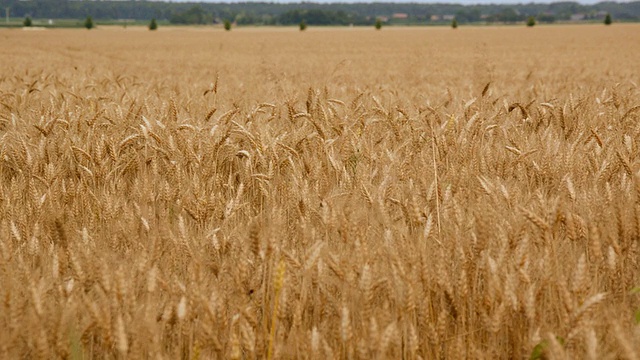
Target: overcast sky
[465, 2]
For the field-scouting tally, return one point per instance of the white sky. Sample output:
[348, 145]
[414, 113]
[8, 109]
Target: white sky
[464, 2]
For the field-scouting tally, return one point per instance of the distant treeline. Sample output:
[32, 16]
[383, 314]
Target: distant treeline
[198, 14]
[315, 14]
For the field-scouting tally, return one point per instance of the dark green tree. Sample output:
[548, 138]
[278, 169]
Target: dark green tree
[153, 25]
[454, 23]
[88, 23]
[303, 25]
[607, 19]
[378, 24]
[508, 15]
[27, 22]
[194, 15]
[227, 25]
[546, 18]
[316, 17]
[531, 21]
[467, 15]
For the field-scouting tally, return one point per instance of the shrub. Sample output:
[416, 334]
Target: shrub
[88, 23]
[27, 22]
[378, 24]
[153, 25]
[607, 19]
[531, 21]
[303, 25]
[454, 23]
[227, 25]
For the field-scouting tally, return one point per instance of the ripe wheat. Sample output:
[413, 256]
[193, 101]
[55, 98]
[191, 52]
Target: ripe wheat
[417, 193]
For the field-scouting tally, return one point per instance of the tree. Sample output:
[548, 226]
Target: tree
[317, 17]
[27, 21]
[227, 25]
[454, 23]
[153, 25]
[88, 23]
[303, 25]
[378, 24]
[194, 15]
[607, 19]
[508, 15]
[546, 18]
[531, 21]
[467, 15]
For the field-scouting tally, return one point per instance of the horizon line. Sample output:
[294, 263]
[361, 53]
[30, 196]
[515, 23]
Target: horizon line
[400, 2]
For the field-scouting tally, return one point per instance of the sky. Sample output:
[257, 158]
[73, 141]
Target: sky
[464, 2]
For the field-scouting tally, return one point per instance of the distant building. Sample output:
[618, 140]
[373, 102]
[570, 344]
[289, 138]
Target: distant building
[435, 18]
[400, 16]
[578, 17]
[448, 17]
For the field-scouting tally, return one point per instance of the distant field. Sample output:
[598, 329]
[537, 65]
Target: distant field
[418, 193]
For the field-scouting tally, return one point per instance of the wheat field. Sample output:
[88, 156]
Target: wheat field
[338, 193]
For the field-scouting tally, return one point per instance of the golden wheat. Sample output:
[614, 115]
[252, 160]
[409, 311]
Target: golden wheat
[415, 193]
